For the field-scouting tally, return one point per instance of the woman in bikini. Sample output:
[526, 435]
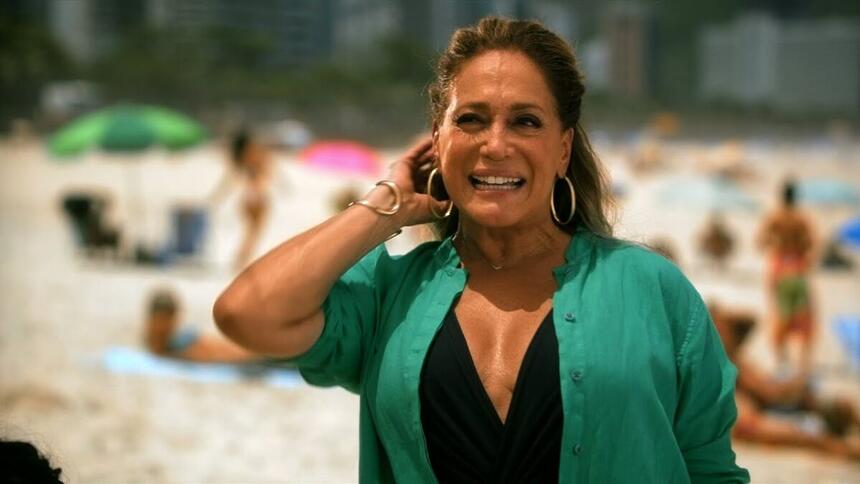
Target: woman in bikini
[251, 164]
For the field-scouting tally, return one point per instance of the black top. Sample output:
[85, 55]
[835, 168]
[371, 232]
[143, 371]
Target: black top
[466, 439]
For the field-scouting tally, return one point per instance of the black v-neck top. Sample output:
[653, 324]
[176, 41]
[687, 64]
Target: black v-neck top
[466, 439]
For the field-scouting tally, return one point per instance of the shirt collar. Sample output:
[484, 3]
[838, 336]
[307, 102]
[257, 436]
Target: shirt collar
[446, 255]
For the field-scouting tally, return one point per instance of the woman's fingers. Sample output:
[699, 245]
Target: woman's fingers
[411, 173]
[419, 152]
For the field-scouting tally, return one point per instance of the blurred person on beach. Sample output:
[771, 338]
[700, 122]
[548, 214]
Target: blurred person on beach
[22, 463]
[786, 236]
[163, 335]
[716, 241]
[251, 165]
[528, 344]
[784, 411]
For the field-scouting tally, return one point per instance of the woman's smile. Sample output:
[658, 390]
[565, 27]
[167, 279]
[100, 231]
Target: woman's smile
[495, 183]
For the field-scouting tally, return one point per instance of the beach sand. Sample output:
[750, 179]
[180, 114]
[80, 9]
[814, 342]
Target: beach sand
[60, 312]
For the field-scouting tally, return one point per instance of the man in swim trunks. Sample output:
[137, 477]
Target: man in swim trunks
[786, 235]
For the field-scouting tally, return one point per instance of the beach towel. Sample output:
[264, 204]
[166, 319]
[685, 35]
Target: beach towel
[125, 360]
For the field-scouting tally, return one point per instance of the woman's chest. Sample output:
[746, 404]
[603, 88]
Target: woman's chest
[498, 338]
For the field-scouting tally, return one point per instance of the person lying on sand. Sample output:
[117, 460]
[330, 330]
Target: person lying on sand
[759, 397]
[164, 337]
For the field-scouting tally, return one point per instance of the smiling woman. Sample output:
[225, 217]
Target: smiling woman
[501, 144]
[525, 346]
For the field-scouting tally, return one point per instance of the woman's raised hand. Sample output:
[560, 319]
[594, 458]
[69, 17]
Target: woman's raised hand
[410, 173]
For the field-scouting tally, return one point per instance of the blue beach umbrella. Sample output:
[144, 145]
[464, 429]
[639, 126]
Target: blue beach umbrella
[847, 329]
[849, 233]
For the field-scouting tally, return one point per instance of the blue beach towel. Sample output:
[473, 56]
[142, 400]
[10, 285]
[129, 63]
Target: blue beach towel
[126, 360]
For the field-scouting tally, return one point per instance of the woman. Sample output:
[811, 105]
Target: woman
[525, 346]
[250, 162]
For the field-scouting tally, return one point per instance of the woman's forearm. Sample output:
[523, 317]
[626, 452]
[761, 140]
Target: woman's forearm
[269, 307]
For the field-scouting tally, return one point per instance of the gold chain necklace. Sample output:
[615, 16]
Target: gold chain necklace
[466, 246]
[495, 267]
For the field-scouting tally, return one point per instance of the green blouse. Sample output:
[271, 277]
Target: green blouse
[647, 390]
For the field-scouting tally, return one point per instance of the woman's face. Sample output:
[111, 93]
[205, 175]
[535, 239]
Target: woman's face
[501, 144]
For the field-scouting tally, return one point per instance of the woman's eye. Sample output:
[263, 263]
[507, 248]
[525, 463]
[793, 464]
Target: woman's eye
[528, 121]
[468, 118]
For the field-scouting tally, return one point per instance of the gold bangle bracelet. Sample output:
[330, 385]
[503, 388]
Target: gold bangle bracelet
[382, 211]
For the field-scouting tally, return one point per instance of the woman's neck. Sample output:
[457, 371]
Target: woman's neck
[510, 247]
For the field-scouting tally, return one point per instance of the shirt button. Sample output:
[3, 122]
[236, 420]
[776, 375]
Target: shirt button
[577, 449]
[570, 317]
[576, 375]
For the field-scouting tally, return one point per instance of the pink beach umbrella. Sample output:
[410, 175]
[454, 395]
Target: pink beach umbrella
[342, 156]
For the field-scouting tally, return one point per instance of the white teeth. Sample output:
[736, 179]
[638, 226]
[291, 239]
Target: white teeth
[496, 187]
[497, 180]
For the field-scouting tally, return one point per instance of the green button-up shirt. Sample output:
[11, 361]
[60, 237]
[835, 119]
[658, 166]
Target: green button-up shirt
[647, 390]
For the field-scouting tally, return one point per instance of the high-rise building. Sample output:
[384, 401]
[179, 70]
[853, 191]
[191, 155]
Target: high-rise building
[291, 32]
[628, 30]
[433, 22]
[71, 25]
[798, 66]
[88, 29]
[295, 32]
[357, 24]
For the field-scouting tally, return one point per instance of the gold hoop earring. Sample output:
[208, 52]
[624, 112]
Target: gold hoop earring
[429, 190]
[572, 202]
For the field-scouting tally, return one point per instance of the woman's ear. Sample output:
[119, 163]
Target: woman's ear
[566, 149]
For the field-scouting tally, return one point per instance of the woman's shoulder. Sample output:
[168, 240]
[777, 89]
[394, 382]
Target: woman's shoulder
[427, 255]
[648, 278]
[633, 255]
[636, 263]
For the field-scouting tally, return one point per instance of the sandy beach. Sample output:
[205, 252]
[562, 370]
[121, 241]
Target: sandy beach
[60, 313]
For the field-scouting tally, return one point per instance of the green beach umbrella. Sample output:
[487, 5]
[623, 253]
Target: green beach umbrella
[127, 128]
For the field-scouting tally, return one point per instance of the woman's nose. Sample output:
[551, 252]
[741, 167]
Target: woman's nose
[495, 145]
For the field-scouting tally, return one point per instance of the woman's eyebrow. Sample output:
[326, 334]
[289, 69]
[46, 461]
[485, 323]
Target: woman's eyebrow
[477, 106]
[482, 106]
[526, 106]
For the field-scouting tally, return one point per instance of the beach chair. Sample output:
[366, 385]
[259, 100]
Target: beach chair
[86, 214]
